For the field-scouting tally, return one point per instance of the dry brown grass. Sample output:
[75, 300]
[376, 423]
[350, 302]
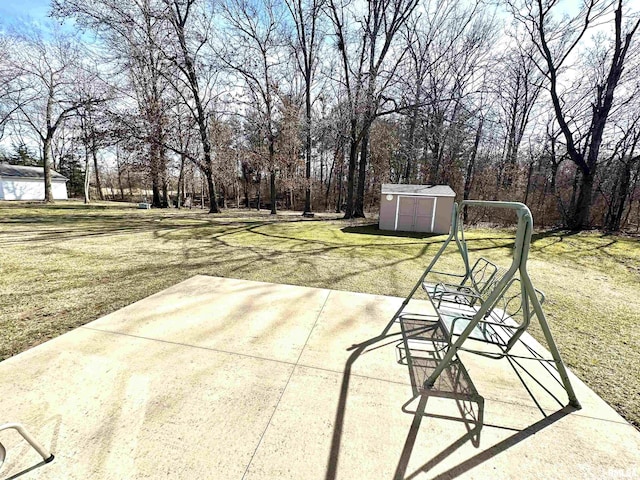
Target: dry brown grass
[67, 264]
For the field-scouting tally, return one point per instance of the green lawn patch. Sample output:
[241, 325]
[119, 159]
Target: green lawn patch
[67, 264]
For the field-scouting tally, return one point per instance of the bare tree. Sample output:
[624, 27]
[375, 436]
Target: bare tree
[42, 91]
[191, 26]
[622, 173]
[307, 43]
[517, 89]
[225, 160]
[130, 31]
[252, 50]
[438, 43]
[288, 142]
[460, 58]
[183, 140]
[351, 75]
[10, 99]
[366, 79]
[92, 119]
[557, 42]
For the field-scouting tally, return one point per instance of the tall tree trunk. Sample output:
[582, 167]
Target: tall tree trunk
[155, 178]
[329, 177]
[202, 191]
[619, 198]
[339, 182]
[272, 189]
[193, 190]
[322, 169]
[119, 166]
[46, 154]
[165, 193]
[129, 183]
[120, 186]
[46, 149]
[358, 211]
[579, 215]
[213, 202]
[307, 195]
[259, 191]
[511, 153]
[468, 179]
[438, 148]
[351, 173]
[529, 175]
[179, 201]
[222, 200]
[87, 172]
[94, 154]
[554, 177]
[155, 188]
[411, 140]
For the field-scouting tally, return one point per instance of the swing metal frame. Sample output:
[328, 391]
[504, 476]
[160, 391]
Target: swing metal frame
[470, 309]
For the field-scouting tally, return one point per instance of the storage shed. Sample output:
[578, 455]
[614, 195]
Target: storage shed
[27, 183]
[416, 208]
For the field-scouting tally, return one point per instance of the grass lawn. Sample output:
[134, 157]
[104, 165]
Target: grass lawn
[67, 264]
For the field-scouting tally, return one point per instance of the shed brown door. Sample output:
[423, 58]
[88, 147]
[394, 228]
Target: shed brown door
[406, 213]
[415, 214]
[424, 214]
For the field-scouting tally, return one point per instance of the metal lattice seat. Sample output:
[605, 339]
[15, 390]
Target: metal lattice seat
[422, 349]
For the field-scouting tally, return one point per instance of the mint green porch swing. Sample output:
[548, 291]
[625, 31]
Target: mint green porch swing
[484, 303]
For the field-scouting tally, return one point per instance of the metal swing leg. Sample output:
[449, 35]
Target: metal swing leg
[43, 452]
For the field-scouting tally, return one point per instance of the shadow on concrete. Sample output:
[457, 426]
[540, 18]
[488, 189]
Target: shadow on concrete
[403, 463]
[491, 452]
[422, 349]
[27, 470]
[336, 439]
[459, 389]
[454, 384]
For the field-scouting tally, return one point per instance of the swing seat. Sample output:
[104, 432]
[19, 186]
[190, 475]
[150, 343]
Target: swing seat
[502, 325]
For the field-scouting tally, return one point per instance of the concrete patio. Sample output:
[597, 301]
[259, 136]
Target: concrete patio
[231, 379]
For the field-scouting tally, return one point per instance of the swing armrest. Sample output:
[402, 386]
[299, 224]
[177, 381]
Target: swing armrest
[469, 297]
[457, 275]
[444, 288]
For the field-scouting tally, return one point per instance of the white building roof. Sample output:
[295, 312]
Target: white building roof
[19, 171]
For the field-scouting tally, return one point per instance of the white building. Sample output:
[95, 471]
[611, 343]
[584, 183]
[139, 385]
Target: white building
[27, 183]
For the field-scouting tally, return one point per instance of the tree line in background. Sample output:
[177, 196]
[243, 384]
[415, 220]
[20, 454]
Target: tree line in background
[313, 104]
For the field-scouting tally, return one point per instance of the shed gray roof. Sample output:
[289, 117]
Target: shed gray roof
[430, 190]
[19, 171]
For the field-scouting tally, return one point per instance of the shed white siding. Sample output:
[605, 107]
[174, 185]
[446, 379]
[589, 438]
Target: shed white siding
[30, 189]
[416, 208]
[59, 190]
